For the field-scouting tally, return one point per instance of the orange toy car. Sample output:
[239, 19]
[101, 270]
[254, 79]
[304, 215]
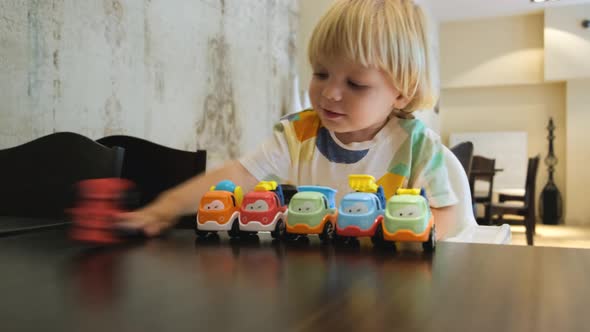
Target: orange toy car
[219, 210]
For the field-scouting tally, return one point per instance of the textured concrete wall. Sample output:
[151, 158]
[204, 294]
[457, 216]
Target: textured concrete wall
[209, 74]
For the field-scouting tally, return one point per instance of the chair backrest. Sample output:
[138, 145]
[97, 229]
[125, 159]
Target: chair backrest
[460, 186]
[153, 167]
[483, 169]
[37, 178]
[464, 152]
[530, 184]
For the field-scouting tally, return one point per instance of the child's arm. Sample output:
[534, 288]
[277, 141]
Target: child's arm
[184, 199]
[443, 219]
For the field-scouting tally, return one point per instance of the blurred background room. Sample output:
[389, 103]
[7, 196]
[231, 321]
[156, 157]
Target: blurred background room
[216, 75]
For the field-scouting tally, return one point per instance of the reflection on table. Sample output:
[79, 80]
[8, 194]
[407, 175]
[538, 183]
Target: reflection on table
[179, 283]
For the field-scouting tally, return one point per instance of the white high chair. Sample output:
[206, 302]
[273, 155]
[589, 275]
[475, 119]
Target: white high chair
[466, 228]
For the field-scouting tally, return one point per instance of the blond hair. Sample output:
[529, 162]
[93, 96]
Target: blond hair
[391, 35]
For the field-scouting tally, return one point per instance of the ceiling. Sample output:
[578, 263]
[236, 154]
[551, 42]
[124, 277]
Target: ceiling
[453, 10]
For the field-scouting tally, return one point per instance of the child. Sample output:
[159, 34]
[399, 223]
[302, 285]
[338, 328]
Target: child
[372, 69]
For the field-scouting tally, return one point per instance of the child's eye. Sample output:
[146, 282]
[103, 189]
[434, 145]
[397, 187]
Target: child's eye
[355, 85]
[321, 76]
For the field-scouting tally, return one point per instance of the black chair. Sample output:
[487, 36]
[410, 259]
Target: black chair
[155, 168]
[464, 152]
[526, 208]
[483, 170]
[37, 178]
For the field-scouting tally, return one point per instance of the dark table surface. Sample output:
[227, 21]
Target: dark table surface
[177, 283]
[17, 225]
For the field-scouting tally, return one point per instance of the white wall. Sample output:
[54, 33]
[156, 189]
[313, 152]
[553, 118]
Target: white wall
[489, 52]
[188, 74]
[567, 43]
[567, 49]
[578, 151]
[310, 12]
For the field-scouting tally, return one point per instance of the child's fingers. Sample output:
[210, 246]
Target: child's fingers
[147, 222]
[154, 229]
[133, 220]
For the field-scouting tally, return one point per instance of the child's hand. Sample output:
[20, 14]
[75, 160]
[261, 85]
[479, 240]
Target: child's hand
[152, 220]
[182, 200]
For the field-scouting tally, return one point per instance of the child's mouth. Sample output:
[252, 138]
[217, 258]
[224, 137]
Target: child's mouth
[332, 115]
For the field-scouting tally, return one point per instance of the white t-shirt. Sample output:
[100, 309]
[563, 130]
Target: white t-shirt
[404, 153]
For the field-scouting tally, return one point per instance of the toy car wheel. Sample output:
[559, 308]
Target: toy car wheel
[430, 245]
[200, 233]
[342, 240]
[289, 236]
[380, 242]
[328, 232]
[247, 233]
[235, 229]
[377, 238]
[337, 238]
[279, 231]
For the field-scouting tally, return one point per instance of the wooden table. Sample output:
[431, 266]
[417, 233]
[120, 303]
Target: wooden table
[10, 226]
[176, 283]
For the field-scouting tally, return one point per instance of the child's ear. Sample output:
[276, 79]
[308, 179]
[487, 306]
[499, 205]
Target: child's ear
[401, 102]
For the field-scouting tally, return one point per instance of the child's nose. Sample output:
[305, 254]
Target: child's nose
[332, 92]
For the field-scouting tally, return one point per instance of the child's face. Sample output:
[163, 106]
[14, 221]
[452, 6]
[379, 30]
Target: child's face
[352, 100]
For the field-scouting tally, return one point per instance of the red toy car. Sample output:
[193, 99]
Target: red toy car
[265, 209]
[99, 201]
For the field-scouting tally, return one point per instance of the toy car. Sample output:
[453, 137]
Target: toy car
[312, 211]
[361, 211]
[264, 209]
[219, 210]
[408, 219]
[98, 202]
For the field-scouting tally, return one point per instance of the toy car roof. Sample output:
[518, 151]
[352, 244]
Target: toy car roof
[225, 185]
[330, 193]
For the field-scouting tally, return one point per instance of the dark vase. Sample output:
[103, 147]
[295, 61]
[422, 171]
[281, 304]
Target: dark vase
[551, 204]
